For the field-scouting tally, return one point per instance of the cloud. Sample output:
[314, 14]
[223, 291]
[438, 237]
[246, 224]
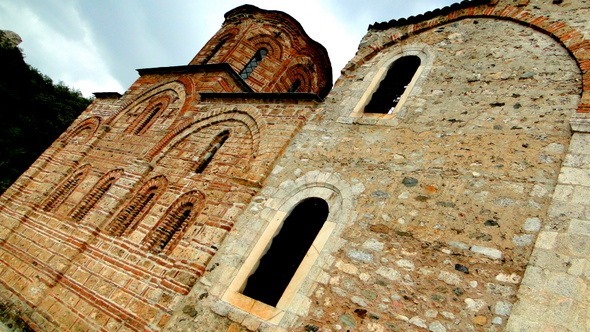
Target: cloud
[96, 45]
[59, 53]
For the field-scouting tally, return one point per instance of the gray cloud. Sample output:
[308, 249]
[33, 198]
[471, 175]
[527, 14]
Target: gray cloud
[96, 45]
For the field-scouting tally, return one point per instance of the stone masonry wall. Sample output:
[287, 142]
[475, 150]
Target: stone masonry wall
[456, 186]
[554, 291]
[457, 190]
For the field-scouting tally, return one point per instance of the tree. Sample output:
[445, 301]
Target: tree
[33, 112]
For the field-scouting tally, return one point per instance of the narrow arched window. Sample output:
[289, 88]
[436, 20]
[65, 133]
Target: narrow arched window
[207, 156]
[170, 229]
[295, 86]
[127, 219]
[147, 119]
[286, 252]
[214, 51]
[95, 194]
[393, 86]
[64, 190]
[253, 63]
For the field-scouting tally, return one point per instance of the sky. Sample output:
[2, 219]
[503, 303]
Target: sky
[97, 45]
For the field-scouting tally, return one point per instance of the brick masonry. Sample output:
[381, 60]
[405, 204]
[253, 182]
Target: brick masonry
[463, 210]
[116, 221]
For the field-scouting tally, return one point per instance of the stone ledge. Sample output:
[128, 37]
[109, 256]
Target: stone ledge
[580, 122]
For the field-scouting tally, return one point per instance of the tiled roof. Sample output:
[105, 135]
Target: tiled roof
[426, 16]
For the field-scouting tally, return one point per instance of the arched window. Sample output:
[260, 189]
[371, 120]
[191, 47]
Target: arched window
[207, 155]
[214, 51]
[64, 190]
[295, 86]
[253, 63]
[287, 250]
[95, 194]
[128, 218]
[393, 86]
[169, 230]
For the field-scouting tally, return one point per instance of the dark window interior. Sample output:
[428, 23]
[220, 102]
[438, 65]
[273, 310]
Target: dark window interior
[211, 150]
[214, 51]
[287, 250]
[394, 84]
[295, 86]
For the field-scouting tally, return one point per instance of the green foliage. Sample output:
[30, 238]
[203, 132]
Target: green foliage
[33, 112]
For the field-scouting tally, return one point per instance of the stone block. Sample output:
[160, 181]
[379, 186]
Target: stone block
[574, 176]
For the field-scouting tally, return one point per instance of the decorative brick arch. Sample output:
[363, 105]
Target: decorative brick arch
[218, 47]
[188, 127]
[148, 116]
[65, 188]
[570, 38]
[95, 194]
[298, 72]
[168, 231]
[172, 91]
[129, 216]
[83, 132]
[275, 49]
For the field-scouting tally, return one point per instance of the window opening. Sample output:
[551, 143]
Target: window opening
[214, 51]
[253, 63]
[295, 86]
[207, 156]
[93, 197]
[168, 232]
[393, 86]
[287, 250]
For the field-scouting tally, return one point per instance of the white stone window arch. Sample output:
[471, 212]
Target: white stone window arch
[371, 83]
[295, 300]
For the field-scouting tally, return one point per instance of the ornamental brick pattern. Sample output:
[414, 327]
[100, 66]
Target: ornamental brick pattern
[464, 209]
[115, 222]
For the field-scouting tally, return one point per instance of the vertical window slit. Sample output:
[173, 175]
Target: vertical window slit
[62, 192]
[295, 86]
[131, 212]
[286, 252]
[207, 156]
[253, 63]
[147, 119]
[167, 232]
[214, 50]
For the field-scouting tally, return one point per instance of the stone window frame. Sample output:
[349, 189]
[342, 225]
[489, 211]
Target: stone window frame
[371, 82]
[295, 301]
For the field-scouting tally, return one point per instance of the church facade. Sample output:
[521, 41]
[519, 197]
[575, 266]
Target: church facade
[441, 184]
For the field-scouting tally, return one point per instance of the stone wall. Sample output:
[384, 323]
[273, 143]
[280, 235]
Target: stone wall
[435, 208]
[554, 291]
[452, 191]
